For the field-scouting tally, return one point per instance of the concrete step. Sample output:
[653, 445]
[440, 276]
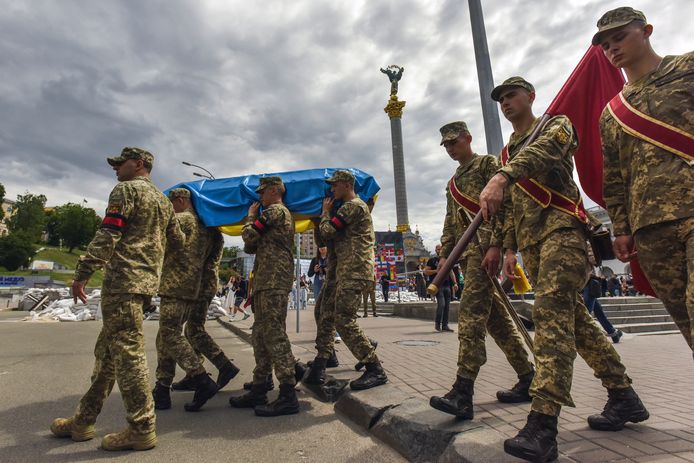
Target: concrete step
[633, 306]
[636, 312]
[628, 319]
[646, 327]
[627, 300]
[657, 333]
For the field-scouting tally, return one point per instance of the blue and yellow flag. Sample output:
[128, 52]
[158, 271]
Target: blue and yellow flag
[224, 202]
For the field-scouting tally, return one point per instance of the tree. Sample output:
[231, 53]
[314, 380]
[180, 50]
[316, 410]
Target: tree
[16, 250]
[76, 225]
[52, 228]
[30, 216]
[2, 198]
[231, 251]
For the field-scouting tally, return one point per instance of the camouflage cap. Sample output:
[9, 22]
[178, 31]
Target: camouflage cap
[132, 153]
[341, 176]
[617, 18]
[269, 181]
[452, 130]
[179, 193]
[514, 81]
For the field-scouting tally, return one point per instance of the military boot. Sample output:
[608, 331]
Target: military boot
[205, 389]
[333, 362]
[518, 393]
[186, 384]
[372, 377]
[537, 441]
[286, 403]
[269, 384]
[226, 374]
[622, 405]
[316, 374]
[66, 427]
[162, 396]
[457, 401]
[129, 440]
[255, 397]
[359, 365]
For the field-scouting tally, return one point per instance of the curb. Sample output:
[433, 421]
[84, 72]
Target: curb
[410, 426]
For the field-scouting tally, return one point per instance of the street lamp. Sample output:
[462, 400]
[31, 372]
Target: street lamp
[211, 177]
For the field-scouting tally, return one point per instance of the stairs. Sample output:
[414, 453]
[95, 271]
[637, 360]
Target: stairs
[638, 315]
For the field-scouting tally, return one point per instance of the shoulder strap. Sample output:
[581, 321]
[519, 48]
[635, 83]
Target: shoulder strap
[640, 125]
[462, 199]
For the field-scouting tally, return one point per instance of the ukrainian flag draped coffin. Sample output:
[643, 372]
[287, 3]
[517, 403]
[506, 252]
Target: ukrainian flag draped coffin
[224, 202]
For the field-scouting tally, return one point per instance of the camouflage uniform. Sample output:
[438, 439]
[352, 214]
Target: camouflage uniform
[479, 311]
[271, 238]
[195, 331]
[179, 287]
[325, 304]
[648, 190]
[553, 246]
[129, 245]
[351, 229]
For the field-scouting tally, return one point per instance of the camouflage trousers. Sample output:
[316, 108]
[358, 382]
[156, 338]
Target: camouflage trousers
[325, 319]
[200, 339]
[369, 293]
[480, 313]
[558, 269]
[120, 356]
[271, 346]
[339, 313]
[666, 255]
[172, 347]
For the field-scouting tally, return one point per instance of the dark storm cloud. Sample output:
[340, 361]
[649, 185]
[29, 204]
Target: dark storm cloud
[241, 88]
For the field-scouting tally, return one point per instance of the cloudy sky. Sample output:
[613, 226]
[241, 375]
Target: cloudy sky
[243, 87]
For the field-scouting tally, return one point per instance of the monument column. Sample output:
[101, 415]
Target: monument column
[394, 111]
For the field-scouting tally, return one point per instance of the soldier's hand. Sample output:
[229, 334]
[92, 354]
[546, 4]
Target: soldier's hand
[78, 291]
[492, 195]
[328, 204]
[624, 248]
[510, 265]
[491, 261]
[253, 210]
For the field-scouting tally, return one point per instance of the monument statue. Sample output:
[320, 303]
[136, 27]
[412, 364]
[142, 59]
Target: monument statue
[394, 73]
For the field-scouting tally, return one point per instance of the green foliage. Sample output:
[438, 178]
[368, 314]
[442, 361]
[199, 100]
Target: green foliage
[29, 217]
[226, 273]
[53, 238]
[231, 251]
[16, 250]
[75, 225]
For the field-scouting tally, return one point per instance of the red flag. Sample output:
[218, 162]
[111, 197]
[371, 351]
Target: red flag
[584, 95]
[590, 87]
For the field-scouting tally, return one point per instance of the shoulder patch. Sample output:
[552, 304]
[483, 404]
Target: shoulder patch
[562, 135]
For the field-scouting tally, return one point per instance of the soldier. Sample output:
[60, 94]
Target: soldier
[130, 246]
[548, 225]
[352, 235]
[271, 238]
[479, 311]
[647, 140]
[179, 290]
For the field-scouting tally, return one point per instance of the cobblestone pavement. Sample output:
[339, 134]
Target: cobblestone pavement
[660, 366]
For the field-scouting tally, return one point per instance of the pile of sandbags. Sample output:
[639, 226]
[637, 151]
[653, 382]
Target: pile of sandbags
[216, 310]
[65, 310]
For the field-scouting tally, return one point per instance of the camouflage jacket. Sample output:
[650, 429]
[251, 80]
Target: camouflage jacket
[131, 240]
[470, 179]
[642, 183]
[271, 238]
[352, 231]
[180, 277]
[549, 161]
[209, 279]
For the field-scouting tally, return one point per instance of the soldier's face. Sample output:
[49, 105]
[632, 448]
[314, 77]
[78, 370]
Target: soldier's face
[515, 102]
[126, 170]
[459, 149]
[339, 189]
[625, 45]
